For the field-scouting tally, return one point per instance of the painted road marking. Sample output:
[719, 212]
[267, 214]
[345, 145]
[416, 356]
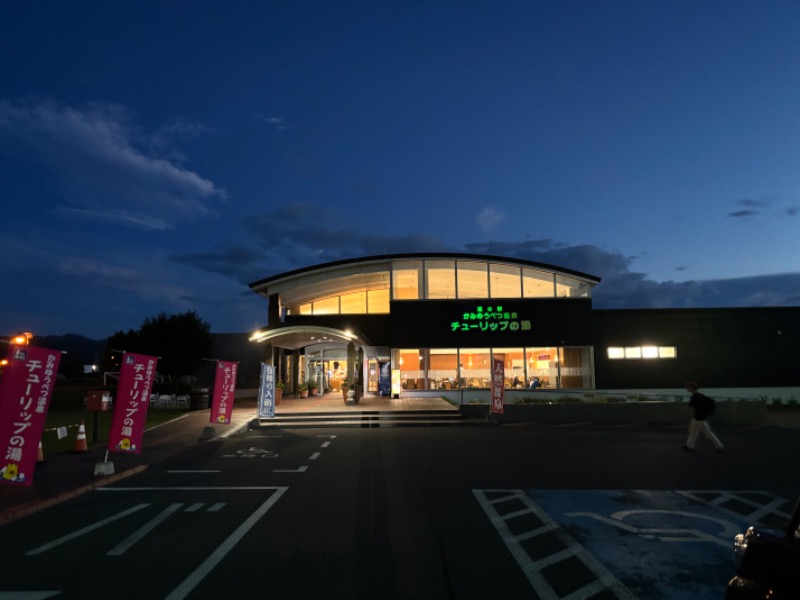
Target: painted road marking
[302, 469]
[137, 535]
[179, 471]
[502, 506]
[27, 595]
[666, 534]
[325, 444]
[191, 582]
[315, 456]
[85, 530]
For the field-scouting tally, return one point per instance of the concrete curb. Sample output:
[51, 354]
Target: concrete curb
[17, 512]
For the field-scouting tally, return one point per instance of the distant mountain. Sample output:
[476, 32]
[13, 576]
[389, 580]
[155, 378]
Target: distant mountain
[79, 350]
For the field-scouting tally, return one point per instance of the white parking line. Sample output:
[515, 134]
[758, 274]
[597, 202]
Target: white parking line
[137, 535]
[302, 469]
[315, 456]
[85, 530]
[533, 570]
[191, 582]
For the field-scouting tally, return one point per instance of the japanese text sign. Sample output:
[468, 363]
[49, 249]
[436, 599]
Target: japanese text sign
[224, 390]
[498, 375]
[133, 399]
[490, 319]
[25, 393]
[266, 392]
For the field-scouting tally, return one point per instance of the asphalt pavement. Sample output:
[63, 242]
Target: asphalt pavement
[67, 475]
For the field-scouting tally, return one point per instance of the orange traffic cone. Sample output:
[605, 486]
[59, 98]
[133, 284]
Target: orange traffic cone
[80, 443]
[40, 458]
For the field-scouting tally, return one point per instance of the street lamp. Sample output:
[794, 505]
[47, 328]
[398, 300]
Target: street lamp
[22, 339]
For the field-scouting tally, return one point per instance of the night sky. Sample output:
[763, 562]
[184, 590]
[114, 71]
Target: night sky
[159, 156]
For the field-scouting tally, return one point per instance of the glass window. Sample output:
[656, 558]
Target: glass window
[354, 304]
[649, 352]
[475, 369]
[443, 368]
[327, 306]
[378, 302]
[633, 352]
[472, 279]
[411, 371]
[513, 366]
[504, 281]
[304, 309]
[537, 284]
[405, 280]
[569, 287]
[667, 352]
[440, 279]
[542, 367]
[575, 368]
[616, 353]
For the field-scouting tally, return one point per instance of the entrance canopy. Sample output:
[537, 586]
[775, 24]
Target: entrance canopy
[300, 336]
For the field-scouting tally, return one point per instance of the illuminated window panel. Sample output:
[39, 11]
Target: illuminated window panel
[378, 302]
[667, 352]
[504, 281]
[633, 352]
[473, 280]
[440, 279]
[568, 287]
[537, 284]
[649, 352]
[354, 304]
[405, 280]
[616, 353]
[327, 306]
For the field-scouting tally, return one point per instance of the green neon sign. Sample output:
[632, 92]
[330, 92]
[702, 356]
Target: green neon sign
[490, 319]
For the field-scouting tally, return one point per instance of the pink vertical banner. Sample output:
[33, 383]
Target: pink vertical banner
[133, 399]
[25, 393]
[498, 383]
[224, 391]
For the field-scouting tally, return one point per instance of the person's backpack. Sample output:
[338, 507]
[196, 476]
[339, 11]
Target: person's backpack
[707, 405]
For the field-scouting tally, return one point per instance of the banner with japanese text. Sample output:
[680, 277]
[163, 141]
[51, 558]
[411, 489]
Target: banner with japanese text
[266, 392]
[224, 391]
[25, 393]
[498, 380]
[133, 399]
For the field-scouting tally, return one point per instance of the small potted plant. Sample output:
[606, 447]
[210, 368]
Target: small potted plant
[278, 391]
[345, 386]
[303, 390]
[312, 386]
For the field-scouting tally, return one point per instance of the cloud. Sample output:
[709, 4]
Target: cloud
[489, 218]
[107, 165]
[291, 238]
[277, 122]
[137, 221]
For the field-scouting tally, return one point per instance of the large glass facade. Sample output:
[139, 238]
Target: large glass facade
[470, 368]
[370, 293]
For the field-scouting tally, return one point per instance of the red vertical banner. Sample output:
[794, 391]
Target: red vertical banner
[25, 393]
[224, 391]
[133, 399]
[498, 384]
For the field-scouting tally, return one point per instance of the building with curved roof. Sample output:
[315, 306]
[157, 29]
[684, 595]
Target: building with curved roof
[437, 321]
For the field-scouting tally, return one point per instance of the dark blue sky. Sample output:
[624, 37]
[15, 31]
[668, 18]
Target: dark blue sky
[160, 156]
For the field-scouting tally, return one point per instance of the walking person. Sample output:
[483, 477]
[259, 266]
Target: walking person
[703, 407]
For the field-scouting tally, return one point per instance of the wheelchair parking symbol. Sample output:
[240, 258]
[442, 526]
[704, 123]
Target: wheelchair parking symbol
[651, 524]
